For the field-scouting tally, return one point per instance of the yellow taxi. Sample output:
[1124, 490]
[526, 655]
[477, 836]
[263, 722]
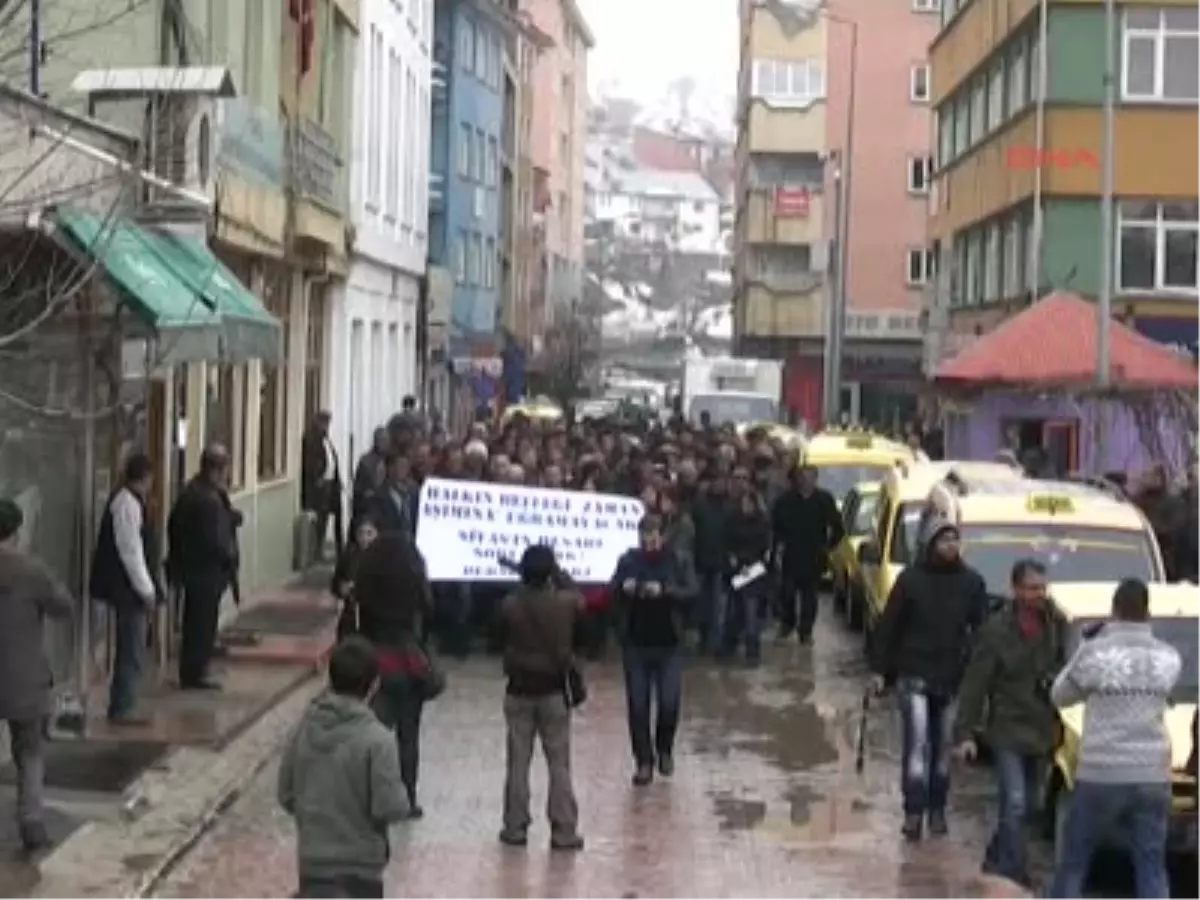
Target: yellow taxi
[540, 409]
[846, 457]
[902, 503]
[1174, 609]
[858, 516]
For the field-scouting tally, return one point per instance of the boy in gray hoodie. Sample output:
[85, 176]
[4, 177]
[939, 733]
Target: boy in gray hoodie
[340, 780]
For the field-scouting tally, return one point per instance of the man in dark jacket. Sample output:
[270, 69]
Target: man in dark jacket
[710, 518]
[394, 507]
[321, 481]
[202, 538]
[369, 475]
[1005, 695]
[921, 645]
[651, 593]
[806, 526]
[125, 576]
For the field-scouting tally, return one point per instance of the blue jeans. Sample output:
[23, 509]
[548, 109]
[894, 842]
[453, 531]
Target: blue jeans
[1019, 787]
[1096, 813]
[743, 621]
[928, 722]
[128, 654]
[711, 613]
[653, 673]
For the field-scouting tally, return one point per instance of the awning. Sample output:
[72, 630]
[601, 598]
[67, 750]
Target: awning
[196, 307]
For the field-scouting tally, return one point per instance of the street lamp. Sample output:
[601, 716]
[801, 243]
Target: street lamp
[835, 319]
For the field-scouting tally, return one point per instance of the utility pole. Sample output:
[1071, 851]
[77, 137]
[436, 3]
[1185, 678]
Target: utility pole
[1107, 232]
[35, 47]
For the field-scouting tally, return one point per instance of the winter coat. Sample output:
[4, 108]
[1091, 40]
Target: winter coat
[806, 529]
[644, 621]
[29, 593]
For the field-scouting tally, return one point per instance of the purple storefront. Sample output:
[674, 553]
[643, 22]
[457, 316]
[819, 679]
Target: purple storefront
[1030, 385]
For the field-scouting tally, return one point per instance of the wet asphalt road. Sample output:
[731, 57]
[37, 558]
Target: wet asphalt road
[765, 800]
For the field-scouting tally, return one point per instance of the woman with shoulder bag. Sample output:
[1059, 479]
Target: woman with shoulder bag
[393, 596]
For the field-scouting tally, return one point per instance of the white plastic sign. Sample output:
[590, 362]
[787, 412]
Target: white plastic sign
[464, 529]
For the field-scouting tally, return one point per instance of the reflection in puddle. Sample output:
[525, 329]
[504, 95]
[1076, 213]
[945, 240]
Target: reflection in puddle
[737, 814]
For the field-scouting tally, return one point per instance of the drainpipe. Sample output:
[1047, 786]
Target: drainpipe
[1043, 80]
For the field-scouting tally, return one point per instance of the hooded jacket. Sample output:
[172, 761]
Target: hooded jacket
[652, 622]
[931, 615]
[340, 780]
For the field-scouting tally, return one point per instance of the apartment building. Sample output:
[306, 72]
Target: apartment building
[373, 322]
[558, 150]
[1018, 89]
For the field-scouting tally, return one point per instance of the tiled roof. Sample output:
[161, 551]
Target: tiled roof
[1053, 344]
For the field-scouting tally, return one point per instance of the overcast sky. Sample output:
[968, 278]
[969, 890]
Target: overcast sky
[643, 45]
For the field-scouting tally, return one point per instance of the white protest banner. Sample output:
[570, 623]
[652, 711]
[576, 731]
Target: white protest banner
[465, 527]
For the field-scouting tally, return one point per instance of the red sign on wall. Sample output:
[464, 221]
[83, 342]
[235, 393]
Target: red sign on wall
[1046, 158]
[792, 203]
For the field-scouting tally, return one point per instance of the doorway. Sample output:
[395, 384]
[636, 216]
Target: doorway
[1049, 448]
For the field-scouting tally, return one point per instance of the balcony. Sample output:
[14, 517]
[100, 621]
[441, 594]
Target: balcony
[782, 216]
[317, 166]
[769, 313]
[772, 130]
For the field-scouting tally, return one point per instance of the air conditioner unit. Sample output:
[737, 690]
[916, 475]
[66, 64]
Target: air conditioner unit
[186, 150]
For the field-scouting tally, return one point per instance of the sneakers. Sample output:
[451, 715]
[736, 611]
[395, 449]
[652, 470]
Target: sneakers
[911, 829]
[666, 765]
[572, 844]
[513, 838]
[644, 775]
[937, 822]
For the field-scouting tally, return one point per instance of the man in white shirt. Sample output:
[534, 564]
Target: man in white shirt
[124, 576]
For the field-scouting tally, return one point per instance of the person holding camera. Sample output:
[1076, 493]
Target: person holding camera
[651, 590]
[1005, 695]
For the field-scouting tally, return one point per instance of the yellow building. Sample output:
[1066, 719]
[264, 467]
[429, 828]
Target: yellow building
[780, 244]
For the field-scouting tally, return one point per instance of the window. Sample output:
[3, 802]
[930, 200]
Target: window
[918, 83]
[1157, 247]
[995, 98]
[962, 126]
[978, 111]
[226, 418]
[411, 149]
[395, 160]
[926, 6]
[479, 156]
[465, 148]
[974, 281]
[920, 173]
[945, 133]
[375, 104]
[474, 252]
[991, 264]
[1017, 75]
[489, 264]
[795, 82]
[1160, 56]
[1015, 247]
[314, 355]
[919, 260]
[466, 43]
[273, 387]
[949, 8]
[482, 47]
[460, 258]
[493, 163]
[497, 73]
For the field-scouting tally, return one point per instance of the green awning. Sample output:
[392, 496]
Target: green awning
[176, 286]
[186, 324]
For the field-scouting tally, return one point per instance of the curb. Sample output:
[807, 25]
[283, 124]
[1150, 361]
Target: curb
[167, 811]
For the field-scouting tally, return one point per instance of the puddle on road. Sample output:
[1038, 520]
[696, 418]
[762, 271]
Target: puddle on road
[811, 817]
[737, 814]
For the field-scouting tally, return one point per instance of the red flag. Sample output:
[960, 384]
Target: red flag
[307, 18]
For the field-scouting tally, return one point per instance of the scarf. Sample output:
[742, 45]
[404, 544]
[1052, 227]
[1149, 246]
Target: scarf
[1030, 621]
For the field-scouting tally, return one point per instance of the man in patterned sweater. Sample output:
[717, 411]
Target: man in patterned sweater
[1125, 677]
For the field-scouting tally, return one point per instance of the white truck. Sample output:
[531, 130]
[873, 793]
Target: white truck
[738, 391]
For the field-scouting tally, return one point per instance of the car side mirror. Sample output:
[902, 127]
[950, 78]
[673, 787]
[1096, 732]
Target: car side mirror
[868, 554]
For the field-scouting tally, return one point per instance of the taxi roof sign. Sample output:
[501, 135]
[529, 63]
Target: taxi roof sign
[1050, 504]
[859, 441]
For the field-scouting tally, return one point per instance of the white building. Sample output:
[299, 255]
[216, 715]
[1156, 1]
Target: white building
[679, 209]
[373, 332]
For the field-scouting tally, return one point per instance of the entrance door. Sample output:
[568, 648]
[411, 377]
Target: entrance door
[1060, 440]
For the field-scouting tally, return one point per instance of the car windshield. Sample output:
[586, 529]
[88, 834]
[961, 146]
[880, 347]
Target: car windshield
[1181, 633]
[839, 479]
[734, 408]
[1069, 553]
[864, 516]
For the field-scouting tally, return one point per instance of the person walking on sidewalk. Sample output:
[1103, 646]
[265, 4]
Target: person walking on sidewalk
[339, 779]
[321, 482]
[921, 645]
[203, 560]
[29, 594]
[125, 576]
[1005, 695]
[394, 598]
[539, 620]
[651, 595]
[806, 525]
[1125, 677]
[345, 572]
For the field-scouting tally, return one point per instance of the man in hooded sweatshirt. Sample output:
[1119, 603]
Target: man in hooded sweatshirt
[921, 645]
[340, 780]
